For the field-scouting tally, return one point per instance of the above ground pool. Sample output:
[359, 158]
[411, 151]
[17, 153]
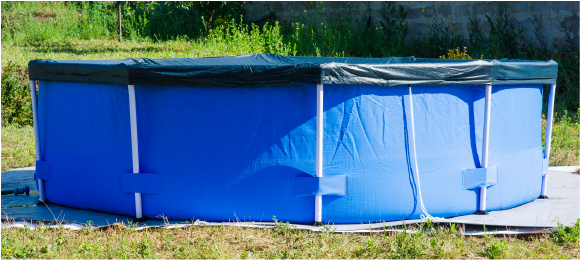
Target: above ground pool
[298, 139]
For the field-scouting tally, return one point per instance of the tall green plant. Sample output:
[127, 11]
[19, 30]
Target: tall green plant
[238, 38]
[394, 29]
[506, 40]
[96, 20]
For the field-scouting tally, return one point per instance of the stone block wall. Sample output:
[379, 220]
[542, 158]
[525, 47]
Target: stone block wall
[551, 18]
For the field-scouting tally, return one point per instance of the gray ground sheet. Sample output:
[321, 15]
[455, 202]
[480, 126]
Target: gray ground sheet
[541, 215]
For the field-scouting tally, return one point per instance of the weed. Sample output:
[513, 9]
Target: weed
[237, 38]
[505, 40]
[567, 236]
[282, 229]
[456, 54]
[496, 250]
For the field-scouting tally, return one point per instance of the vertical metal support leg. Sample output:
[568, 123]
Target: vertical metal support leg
[548, 139]
[135, 146]
[36, 135]
[319, 146]
[484, 159]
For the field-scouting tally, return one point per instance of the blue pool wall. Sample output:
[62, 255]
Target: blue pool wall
[232, 153]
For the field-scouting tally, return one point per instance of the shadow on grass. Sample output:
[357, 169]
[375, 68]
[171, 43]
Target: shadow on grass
[81, 48]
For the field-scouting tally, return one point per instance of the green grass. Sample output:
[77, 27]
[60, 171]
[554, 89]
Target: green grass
[233, 40]
[42, 21]
[100, 49]
[17, 147]
[280, 242]
[565, 148]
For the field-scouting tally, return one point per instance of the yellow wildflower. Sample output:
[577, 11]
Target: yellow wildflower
[170, 12]
[449, 16]
[129, 8]
[91, 25]
[377, 28]
[305, 11]
[423, 10]
[403, 23]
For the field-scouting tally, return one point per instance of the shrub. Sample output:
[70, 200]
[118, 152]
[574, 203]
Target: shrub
[567, 236]
[16, 101]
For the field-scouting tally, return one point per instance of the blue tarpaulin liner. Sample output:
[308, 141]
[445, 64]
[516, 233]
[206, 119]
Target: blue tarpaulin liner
[232, 153]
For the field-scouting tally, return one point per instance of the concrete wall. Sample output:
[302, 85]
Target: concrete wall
[550, 16]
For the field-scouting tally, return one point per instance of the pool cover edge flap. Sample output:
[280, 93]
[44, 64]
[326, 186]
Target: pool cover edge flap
[141, 182]
[276, 70]
[316, 186]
